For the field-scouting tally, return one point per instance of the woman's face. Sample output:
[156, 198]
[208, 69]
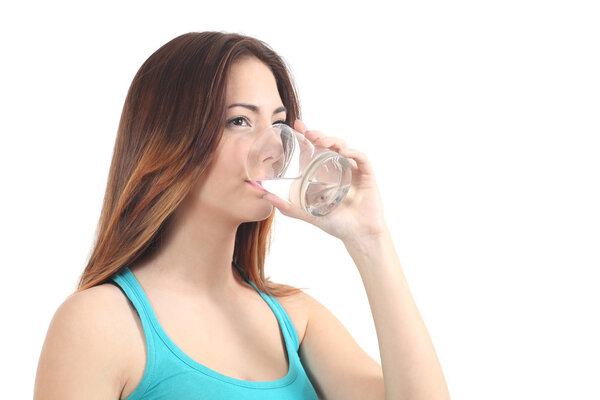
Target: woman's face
[252, 105]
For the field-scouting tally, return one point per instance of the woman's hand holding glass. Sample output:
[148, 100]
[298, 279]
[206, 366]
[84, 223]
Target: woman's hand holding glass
[360, 214]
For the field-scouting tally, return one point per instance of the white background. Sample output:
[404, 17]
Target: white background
[481, 120]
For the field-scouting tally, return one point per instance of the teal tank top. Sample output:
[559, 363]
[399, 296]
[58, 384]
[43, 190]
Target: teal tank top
[171, 374]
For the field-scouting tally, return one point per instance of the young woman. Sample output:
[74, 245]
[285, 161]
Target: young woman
[173, 303]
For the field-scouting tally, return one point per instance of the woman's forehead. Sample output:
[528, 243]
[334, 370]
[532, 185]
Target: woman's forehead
[249, 81]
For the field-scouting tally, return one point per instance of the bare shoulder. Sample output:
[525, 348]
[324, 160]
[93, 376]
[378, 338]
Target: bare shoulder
[86, 345]
[95, 307]
[300, 302]
[299, 307]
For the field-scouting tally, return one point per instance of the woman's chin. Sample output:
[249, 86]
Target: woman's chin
[262, 214]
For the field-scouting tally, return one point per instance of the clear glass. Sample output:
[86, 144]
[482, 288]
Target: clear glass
[285, 163]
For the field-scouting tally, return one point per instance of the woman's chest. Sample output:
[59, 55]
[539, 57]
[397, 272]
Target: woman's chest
[243, 342]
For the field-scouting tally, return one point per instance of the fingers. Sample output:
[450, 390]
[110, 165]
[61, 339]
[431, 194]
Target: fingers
[339, 145]
[313, 135]
[332, 143]
[278, 202]
[318, 138]
[359, 157]
[299, 126]
[285, 207]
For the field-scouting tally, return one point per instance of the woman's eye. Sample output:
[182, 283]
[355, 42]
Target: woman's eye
[238, 121]
[279, 122]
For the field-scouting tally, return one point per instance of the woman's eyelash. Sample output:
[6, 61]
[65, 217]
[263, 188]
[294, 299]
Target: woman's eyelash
[231, 121]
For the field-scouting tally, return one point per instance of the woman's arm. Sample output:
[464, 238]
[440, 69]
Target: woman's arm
[411, 369]
[340, 369]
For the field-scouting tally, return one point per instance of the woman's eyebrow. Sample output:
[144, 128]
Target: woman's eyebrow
[254, 108]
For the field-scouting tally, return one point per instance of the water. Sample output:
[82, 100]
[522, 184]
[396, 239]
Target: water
[317, 198]
[281, 187]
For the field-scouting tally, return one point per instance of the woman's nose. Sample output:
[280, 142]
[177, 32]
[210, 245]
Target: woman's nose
[271, 158]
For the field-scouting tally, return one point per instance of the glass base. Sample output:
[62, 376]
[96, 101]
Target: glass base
[322, 187]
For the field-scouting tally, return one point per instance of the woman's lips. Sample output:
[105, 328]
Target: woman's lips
[256, 185]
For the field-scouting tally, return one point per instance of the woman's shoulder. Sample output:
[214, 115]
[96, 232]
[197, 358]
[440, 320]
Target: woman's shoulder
[106, 312]
[101, 308]
[298, 306]
[87, 343]
[89, 297]
[301, 307]
[299, 302]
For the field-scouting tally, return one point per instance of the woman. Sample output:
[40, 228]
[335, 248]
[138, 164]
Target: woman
[162, 311]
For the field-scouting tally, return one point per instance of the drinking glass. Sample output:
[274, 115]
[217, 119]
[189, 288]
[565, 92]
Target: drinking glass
[285, 163]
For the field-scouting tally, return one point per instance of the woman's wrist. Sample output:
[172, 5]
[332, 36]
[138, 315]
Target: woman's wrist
[367, 244]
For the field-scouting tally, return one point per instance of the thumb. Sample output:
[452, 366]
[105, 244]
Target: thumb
[285, 207]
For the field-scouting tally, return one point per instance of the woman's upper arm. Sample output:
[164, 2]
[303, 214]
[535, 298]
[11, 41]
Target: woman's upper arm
[336, 365]
[80, 356]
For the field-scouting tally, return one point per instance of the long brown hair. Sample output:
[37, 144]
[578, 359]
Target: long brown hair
[171, 124]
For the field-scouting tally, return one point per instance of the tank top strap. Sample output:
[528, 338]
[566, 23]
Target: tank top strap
[134, 292]
[288, 329]
[126, 280]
